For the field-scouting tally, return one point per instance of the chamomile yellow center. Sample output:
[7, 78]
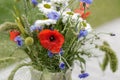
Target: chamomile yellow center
[70, 13]
[47, 6]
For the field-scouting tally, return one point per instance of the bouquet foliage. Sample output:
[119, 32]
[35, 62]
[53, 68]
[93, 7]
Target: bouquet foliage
[53, 35]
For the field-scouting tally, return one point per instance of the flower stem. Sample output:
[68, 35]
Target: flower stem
[66, 62]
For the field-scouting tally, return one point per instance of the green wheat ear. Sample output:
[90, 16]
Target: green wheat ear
[111, 57]
[8, 26]
[106, 43]
[7, 59]
[105, 62]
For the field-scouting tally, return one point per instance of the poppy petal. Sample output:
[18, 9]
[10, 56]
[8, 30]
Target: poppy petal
[51, 40]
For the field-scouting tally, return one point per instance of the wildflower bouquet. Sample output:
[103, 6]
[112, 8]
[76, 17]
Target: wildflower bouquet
[53, 36]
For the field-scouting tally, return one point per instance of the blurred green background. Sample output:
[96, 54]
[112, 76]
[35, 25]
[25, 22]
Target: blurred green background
[102, 12]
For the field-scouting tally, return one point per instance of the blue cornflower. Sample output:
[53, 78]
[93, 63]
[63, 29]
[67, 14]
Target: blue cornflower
[61, 51]
[82, 33]
[34, 2]
[19, 41]
[53, 15]
[83, 75]
[62, 65]
[33, 28]
[50, 54]
[87, 1]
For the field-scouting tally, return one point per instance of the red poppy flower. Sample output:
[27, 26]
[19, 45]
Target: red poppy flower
[81, 10]
[85, 15]
[13, 34]
[51, 40]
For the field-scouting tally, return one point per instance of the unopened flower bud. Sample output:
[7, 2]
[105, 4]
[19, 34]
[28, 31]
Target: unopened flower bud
[29, 41]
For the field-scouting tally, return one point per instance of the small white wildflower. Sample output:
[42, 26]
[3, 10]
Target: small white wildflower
[45, 22]
[88, 27]
[80, 19]
[74, 17]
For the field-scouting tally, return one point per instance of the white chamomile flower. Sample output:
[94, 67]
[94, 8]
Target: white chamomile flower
[88, 27]
[45, 22]
[74, 17]
[45, 7]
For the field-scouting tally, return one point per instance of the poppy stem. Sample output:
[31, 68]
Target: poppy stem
[84, 5]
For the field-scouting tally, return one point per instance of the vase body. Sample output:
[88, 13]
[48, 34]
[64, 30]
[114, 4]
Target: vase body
[40, 75]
